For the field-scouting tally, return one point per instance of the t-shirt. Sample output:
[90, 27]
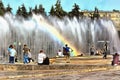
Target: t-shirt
[25, 50]
[9, 49]
[12, 52]
[60, 53]
[67, 49]
[41, 57]
[29, 55]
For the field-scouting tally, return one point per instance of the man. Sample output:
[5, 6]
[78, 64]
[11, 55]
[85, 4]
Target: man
[25, 54]
[67, 55]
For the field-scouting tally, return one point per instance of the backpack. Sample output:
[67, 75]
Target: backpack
[46, 61]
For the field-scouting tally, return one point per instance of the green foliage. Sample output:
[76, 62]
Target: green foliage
[96, 13]
[39, 10]
[75, 11]
[2, 9]
[19, 12]
[9, 9]
[114, 10]
[35, 10]
[22, 11]
[30, 12]
[58, 11]
[52, 11]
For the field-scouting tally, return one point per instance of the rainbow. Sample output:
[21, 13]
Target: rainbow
[54, 31]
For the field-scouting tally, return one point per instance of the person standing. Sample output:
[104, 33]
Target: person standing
[9, 52]
[25, 54]
[41, 57]
[12, 54]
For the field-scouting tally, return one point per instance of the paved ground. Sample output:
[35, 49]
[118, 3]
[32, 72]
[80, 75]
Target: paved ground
[65, 74]
[101, 75]
[75, 75]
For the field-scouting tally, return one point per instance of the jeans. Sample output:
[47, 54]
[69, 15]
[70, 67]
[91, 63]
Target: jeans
[11, 59]
[25, 58]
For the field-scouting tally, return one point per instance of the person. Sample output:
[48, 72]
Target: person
[12, 54]
[92, 50]
[115, 60]
[59, 53]
[30, 56]
[9, 48]
[41, 57]
[25, 54]
[106, 46]
[104, 54]
[67, 53]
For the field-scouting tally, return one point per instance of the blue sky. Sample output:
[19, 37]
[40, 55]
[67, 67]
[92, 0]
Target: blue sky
[67, 5]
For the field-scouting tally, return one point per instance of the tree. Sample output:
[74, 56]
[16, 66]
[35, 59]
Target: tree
[59, 12]
[41, 10]
[8, 9]
[52, 11]
[114, 10]
[19, 12]
[75, 11]
[96, 13]
[24, 11]
[35, 10]
[2, 9]
[30, 12]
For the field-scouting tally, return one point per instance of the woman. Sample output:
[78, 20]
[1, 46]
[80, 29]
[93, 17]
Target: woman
[115, 59]
[41, 57]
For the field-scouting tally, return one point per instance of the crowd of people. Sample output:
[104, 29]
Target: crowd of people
[27, 56]
[42, 59]
[104, 51]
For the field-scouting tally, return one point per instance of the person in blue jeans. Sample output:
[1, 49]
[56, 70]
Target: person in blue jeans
[26, 58]
[25, 54]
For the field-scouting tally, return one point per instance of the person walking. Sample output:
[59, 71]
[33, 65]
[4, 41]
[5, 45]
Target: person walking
[67, 53]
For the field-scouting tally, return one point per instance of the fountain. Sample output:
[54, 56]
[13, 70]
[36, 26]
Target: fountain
[52, 34]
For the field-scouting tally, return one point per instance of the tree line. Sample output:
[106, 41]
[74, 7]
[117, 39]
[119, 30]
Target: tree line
[56, 10]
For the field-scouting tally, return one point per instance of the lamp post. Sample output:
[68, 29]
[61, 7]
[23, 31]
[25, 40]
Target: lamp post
[20, 50]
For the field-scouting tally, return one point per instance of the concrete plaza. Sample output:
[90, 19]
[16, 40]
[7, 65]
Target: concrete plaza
[80, 68]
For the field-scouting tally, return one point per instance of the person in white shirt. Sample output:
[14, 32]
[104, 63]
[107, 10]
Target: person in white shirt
[12, 54]
[29, 56]
[41, 57]
[60, 54]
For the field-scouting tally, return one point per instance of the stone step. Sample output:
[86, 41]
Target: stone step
[29, 74]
